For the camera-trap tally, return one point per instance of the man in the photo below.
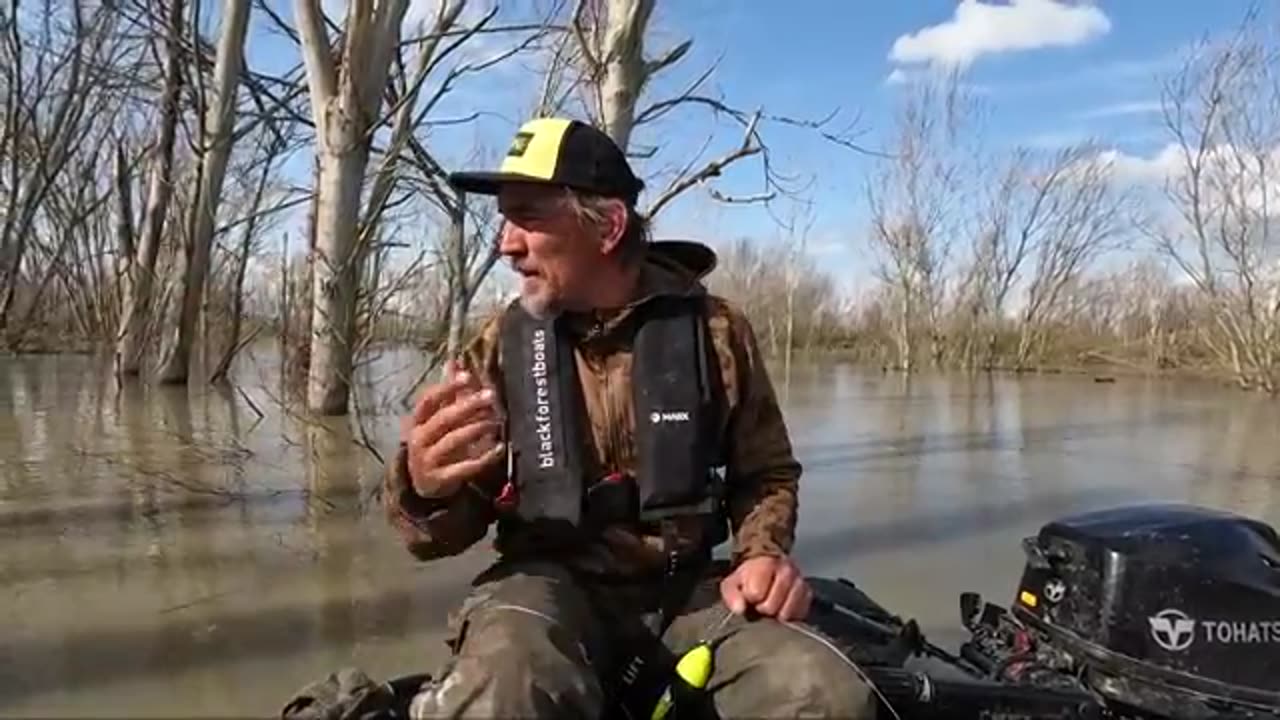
(615, 423)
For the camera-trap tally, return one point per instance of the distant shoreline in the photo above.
(1100, 369)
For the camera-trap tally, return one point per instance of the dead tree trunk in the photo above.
(124, 220)
(284, 298)
(242, 266)
(217, 140)
(298, 341)
(344, 107)
(623, 66)
(460, 301)
(612, 49)
(139, 281)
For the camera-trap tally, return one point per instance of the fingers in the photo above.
(748, 584)
(798, 601)
(437, 396)
(428, 458)
(444, 481)
(774, 587)
(431, 400)
(731, 594)
(784, 578)
(451, 418)
(459, 439)
(757, 579)
(475, 407)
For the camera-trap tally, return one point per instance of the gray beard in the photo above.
(539, 309)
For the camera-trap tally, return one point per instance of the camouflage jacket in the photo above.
(761, 475)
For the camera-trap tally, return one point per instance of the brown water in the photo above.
(168, 552)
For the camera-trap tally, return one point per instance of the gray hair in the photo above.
(590, 210)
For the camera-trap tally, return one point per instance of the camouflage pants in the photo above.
(534, 641)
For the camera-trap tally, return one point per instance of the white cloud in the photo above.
(1168, 162)
(1142, 69)
(899, 77)
(905, 77)
(979, 28)
(1222, 168)
(1140, 107)
(1055, 139)
(828, 247)
(416, 14)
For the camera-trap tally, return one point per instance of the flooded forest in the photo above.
(229, 260)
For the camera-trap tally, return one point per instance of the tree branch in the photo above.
(318, 56)
(580, 31)
(667, 59)
(658, 109)
(447, 16)
(520, 27)
(710, 170)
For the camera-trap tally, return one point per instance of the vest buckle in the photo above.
(507, 498)
(614, 498)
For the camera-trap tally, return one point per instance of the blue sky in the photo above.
(1045, 85)
(1049, 72)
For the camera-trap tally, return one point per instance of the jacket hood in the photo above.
(686, 257)
(672, 268)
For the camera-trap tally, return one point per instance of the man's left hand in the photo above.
(772, 586)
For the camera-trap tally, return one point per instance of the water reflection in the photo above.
(168, 551)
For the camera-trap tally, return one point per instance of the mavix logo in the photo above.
(1172, 630)
(674, 416)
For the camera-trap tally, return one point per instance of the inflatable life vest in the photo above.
(676, 395)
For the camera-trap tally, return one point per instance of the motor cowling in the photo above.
(1170, 605)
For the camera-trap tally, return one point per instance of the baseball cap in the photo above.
(559, 151)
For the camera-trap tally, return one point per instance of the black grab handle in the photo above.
(927, 696)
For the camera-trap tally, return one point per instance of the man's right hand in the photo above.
(453, 436)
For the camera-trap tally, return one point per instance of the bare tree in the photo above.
(345, 99)
(466, 247)
(1083, 216)
(139, 259)
(914, 216)
(455, 255)
(407, 180)
(273, 145)
(216, 140)
(1046, 218)
(616, 80)
(1222, 109)
(53, 81)
(799, 227)
(779, 287)
(1007, 224)
(67, 252)
(611, 36)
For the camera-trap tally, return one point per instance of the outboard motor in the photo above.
(1167, 609)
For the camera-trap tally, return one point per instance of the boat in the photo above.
(1137, 612)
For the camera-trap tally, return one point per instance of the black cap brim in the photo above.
(490, 183)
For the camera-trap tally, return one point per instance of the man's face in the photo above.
(546, 243)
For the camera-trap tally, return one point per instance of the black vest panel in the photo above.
(544, 410)
(675, 395)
